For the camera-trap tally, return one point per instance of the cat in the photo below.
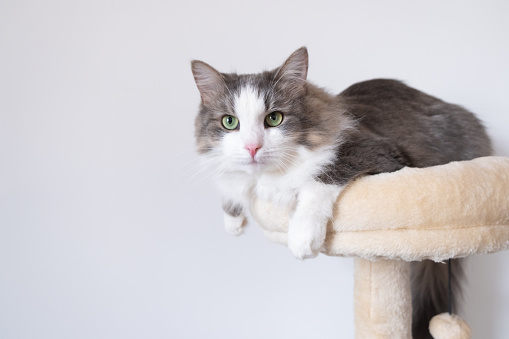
(277, 137)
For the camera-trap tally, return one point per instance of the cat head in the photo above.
(254, 122)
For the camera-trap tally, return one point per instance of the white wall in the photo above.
(107, 227)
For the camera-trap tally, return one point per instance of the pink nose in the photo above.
(253, 148)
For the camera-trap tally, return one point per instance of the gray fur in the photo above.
(430, 293)
(375, 126)
(232, 209)
(399, 126)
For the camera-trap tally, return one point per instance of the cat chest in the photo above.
(278, 190)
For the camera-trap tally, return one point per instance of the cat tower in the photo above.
(387, 220)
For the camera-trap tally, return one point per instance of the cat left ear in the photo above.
(294, 71)
(209, 81)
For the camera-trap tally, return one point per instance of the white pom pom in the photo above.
(447, 326)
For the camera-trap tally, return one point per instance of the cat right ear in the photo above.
(209, 81)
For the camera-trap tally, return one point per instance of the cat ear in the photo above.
(210, 82)
(294, 72)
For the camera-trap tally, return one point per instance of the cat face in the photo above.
(252, 123)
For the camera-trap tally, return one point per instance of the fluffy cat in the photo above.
(275, 136)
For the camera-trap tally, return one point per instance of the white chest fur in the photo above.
(279, 188)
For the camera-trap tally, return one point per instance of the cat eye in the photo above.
(230, 122)
(274, 119)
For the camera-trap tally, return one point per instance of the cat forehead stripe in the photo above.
(248, 103)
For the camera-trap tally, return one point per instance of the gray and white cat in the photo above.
(275, 136)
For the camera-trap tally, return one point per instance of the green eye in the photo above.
(274, 119)
(230, 122)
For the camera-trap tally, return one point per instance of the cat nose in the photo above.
(253, 148)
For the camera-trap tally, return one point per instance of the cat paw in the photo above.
(302, 245)
(308, 224)
(234, 225)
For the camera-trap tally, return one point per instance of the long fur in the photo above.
(323, 142)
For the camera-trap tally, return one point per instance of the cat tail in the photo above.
(430, 292)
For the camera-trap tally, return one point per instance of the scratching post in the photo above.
(377, 285)
(387, 220)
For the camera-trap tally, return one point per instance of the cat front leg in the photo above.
(308, 223)
(234, 219)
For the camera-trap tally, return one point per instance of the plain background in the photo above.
(108, 229)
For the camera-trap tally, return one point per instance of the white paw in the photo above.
(234, 225)
(308, 224)
(305, 241)
(301, 246)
